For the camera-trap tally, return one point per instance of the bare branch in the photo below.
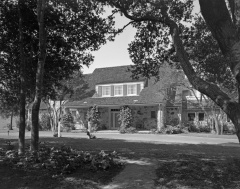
(121, 29)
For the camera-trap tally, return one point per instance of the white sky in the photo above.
(115, 53)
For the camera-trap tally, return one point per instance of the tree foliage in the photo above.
(93, 115)
(162, 30)
(74, 29)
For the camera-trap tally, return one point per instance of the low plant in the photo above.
(128, 130)
(204, 128)
(168, 129)
(229, 128)
(63, 160)
(192, 127)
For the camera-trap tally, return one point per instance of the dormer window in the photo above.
(132, 89)
(118, 90)
(106, 91)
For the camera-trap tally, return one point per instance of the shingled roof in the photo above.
(120, 74)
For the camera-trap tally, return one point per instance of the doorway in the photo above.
(114, 119)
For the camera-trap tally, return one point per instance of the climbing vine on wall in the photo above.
(125, 117)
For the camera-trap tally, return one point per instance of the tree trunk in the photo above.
(39, 76)
(11, 121)
(21, 139)
(225, 30)
(216, 123)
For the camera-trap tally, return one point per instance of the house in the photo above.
(152, 103)
(112, 88)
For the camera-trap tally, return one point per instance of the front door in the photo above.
(114, 119)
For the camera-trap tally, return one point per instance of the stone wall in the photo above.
(142, 117)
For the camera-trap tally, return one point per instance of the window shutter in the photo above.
(99, 91)
(138, 89)
(112, 90)
(124, 90)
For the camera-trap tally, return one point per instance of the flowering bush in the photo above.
(125, 118)
(93, 115)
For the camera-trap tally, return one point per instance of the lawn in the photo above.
(178, 165)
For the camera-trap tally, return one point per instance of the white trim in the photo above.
(124, 83)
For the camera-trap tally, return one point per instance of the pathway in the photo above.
(138, 174)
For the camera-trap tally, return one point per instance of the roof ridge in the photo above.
(113, 67)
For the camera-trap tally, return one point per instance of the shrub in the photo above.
(45, 122)
(204, 128)
(229, 128)
(174, 122)
(192, 127)
(173, 129)
(93, 117)
(67, 121)
(128, 130)
(125, 117)
(102, 127)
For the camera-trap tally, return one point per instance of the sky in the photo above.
(115, 53)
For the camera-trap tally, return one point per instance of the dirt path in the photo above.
(138, 174)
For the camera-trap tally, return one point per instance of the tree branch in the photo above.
(140, 19)
(219, 21)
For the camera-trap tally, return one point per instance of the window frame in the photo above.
(128, 85)
(189, 116)
(103, 90)
(115, 86)
(199, 116)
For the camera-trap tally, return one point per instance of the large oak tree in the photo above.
(67, 30)
(156, 20)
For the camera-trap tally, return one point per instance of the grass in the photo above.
(179, 165)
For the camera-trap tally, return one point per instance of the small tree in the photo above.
(93, 117)
(125, 118)
(67, 121)
(44, 122)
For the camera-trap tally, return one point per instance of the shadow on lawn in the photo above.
(178, 165)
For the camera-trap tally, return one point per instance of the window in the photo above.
(153, 114)
(132, 89)
(118, 90)
(191, 116)
(201, 117)
(106, 91)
